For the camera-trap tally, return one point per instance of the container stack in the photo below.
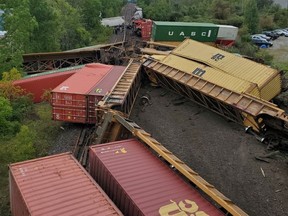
(76, 98)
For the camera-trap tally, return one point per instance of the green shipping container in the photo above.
(179, 31)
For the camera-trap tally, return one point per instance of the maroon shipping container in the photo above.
(76, 98)
(101, 89)
(139, 183)
(36, 85)
(56, 185)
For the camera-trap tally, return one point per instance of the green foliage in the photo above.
(11, 75)
(45, 36)
(7, 127)
(22, 107)
(19, 24)
(251, 16)
(22, 147)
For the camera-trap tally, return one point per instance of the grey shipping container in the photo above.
(179, 31)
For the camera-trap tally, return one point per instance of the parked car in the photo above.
(281, 32)
(285, 32)
(262, 43)
(271, 34)
(260, 37)
(264, 36)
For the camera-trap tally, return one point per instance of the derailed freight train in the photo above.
(176, 32)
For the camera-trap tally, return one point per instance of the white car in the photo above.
(281, 32)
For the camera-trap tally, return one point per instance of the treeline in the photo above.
(52, 25)
(257, 15)
(250, 16)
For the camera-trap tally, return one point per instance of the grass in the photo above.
(46, 131)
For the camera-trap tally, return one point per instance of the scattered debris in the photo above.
(262, 172)
(277, 191)
(62, 128)
(163, 93)
(271, 154)
(145, 101)
(261, 159)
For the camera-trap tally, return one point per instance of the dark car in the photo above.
(271, 34)
(262, 43)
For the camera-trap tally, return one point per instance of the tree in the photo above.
(6, 128)
(19, 24)
(251, 15)
(45, 37)
(7, 89)
(221, 9)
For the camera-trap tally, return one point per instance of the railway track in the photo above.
(85, 138)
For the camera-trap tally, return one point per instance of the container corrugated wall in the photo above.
(267, 79)
(139, 183)
(37, 84)
(101, 89)
(76, 98)
(56, 185)
(179, 31)
(212, 75)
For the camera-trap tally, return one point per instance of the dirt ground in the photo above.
(219, 150)
(279, 50)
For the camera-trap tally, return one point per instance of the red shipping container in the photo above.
(76, 98)
(56, 185)
(139, 183)
(37, 84)
(69, 99)
(146, 29)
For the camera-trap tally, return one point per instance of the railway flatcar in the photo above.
(76, 98)
(56, 185)
(37, 84)
(139, 183)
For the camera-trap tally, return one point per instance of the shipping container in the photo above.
(212, 75)
(140, 183)
(267, 78)
(227, 35)
(101, 89)
(56, 185)
(179, 31)
(76, 98)
(37, 84)
(146, 29)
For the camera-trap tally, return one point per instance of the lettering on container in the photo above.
(64, 88)
(183, 208)
(98, 90)
(115, 149)
(199, 72)
(23, 171)
(217, 57)
(192, 34)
